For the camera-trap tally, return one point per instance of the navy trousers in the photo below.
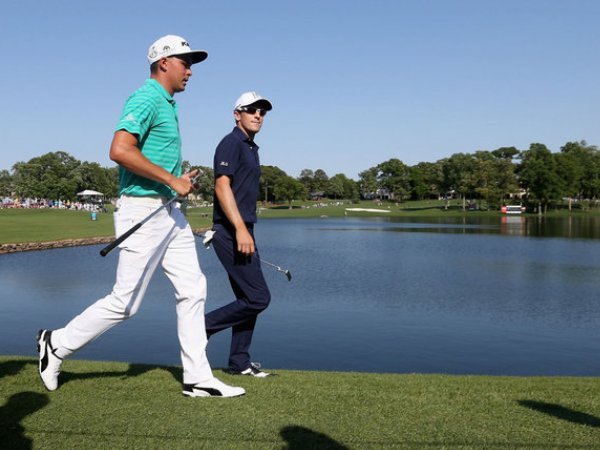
(251, 296)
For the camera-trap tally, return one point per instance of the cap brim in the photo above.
(263, 103)
(198, 56)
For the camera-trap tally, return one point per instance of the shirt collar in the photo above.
(242, 137)
(159, 87)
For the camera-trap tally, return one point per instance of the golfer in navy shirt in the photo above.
(237, 175)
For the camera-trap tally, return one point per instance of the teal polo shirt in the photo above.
(150, 114)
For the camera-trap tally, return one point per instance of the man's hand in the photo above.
(245, 243)
(183, 185)
(125, 152)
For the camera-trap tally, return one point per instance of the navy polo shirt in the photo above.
(236, 156)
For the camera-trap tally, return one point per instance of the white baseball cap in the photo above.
(252, 98)
(172, 45)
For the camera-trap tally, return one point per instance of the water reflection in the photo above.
(513, 225)
(580, 227)
(368, 295)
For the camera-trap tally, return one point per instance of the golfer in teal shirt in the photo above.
(150, 114)
(147, 148)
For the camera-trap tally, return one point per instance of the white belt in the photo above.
(145, 200)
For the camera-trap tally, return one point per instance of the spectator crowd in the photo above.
(40, 203)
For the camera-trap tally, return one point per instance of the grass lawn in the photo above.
(120, 405)
(42, 225)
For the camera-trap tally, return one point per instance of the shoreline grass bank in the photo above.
(18, 226)
(121, 405)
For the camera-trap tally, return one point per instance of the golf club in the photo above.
(208, 237)
(286, 272)
(106, 250)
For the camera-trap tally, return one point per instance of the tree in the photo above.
(494, 177)
(314, 183)
(306, 178)
(340, 186)
(320, 181)
(205, 183)
(47, 176)
(335, 187)
(367, 183)
(394, 176)
(6, 183)
(268, 179)
(505, 152)
(591, 180)
(426, 180)
(418, 186)
(538, 175)
(578, 165)
(459, 176)
(59, 176)
(289, 189)
(112, 173)
(351, 189)
(92, 176)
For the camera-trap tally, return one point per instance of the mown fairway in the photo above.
(119, 405)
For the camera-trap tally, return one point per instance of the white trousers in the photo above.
(166, 239)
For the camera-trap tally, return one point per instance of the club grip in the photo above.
(106, 250)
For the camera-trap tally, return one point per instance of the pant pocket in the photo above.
(128, 215)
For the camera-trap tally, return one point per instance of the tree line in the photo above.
(57, 176)
(537, 176)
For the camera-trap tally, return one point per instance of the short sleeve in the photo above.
(226, 157)
(137, 117)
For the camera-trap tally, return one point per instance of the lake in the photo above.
(496, 296)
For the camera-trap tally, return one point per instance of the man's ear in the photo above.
(162, 64)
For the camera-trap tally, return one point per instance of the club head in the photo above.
(288, 275)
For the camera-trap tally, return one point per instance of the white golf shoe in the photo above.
(49, 363)
(253, 371)
(212, 388)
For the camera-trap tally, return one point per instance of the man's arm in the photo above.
(124, 151)
(245, 243)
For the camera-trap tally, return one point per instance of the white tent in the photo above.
(90, 196)
(90, 193)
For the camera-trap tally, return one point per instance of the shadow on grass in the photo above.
(23, 404)
(421, 208)
(19, 406)
(9, 368)
(134, 370)
(284, 207)
(300, 438)
(561, 412)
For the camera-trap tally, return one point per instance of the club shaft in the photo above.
(278, 268)
(208, 240)
(106, 250)
(271, 264)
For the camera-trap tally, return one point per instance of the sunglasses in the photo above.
(252, 110)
